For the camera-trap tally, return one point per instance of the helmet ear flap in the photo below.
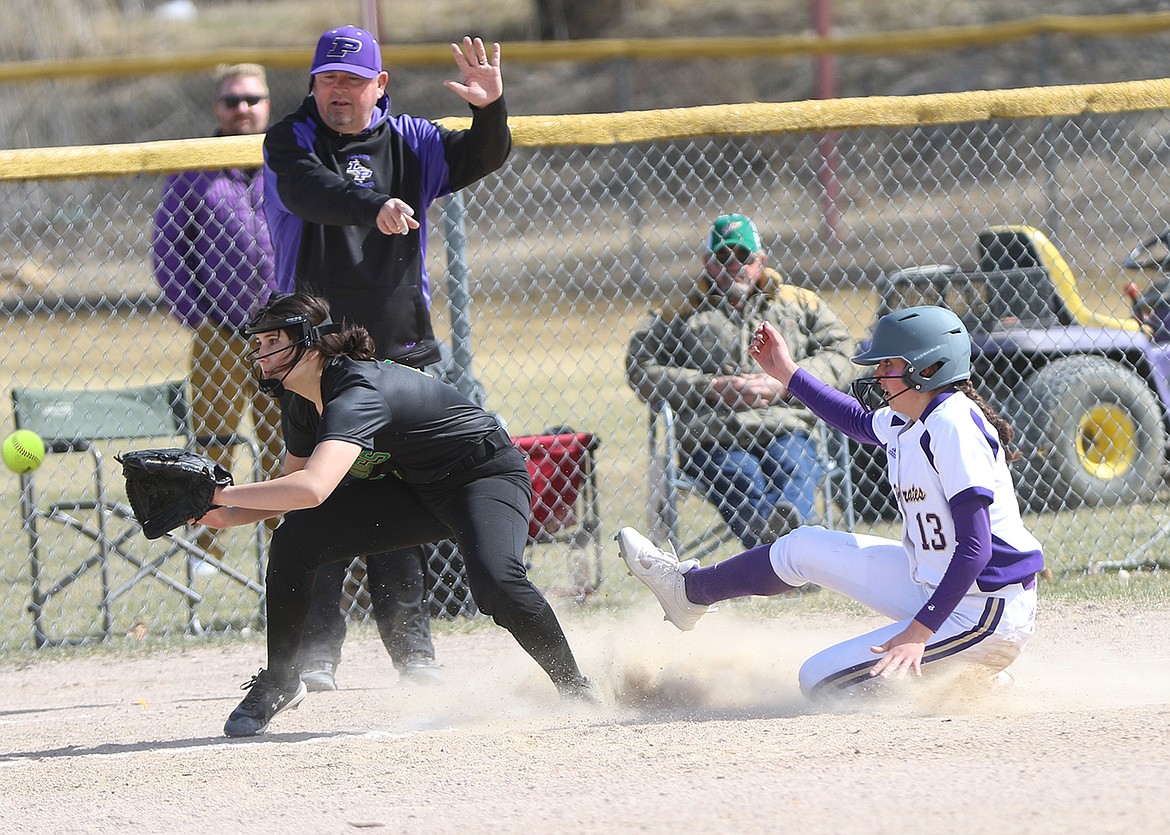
(925, 379)
(318, 331)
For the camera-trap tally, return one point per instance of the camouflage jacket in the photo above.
(675, 354)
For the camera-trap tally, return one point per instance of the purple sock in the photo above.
(742, 575)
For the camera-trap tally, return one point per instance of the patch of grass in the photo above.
(1131, 588)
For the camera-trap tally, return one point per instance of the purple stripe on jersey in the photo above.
(419, 136)
(285, 229)
(935, 403)
(860, 673)
(305, 132)
(989, 433)
(835, 408)
(434, 178)
(924, 442)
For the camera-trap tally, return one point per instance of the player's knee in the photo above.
(292, 560)
(812, 677)
(786, 551)
(506, 600)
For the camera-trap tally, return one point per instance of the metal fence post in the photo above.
(458, 293)
(629, 190)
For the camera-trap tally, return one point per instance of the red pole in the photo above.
(826, 88)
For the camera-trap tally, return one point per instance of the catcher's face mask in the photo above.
(887, 383)
(302, 336)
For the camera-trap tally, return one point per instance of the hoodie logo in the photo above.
(359, 172)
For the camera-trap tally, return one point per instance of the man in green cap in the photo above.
(742, 437)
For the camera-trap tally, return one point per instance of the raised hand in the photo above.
(771, 351)
(482, 83)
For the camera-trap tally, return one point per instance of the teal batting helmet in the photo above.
(925, 337)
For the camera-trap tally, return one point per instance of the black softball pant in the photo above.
(485, 510)
(398, 601)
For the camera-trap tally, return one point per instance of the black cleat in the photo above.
(579, 691)
(320, 676)
(421, 669)
(265, 699)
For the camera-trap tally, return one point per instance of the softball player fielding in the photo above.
(380, 456)
(961, 585)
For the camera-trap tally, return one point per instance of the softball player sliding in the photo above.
(960, 586)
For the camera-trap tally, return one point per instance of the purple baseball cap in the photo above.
(348, 49)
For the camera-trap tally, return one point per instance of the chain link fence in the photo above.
(1020, 225)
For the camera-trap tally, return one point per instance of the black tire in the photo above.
(1092, 434)
(873, 498)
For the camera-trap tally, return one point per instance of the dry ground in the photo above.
(701, 732)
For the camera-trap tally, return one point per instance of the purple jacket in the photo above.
(323, 192)
(213, 256)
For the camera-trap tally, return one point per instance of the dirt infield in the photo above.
(702, 732)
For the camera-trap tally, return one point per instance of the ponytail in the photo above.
(1004, 429)
(351, 341)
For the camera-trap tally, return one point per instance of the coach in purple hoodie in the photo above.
(347, 187)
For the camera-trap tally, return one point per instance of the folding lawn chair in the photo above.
(680, 514)
(117, 559)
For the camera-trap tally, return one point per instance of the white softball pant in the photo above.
(984, 629)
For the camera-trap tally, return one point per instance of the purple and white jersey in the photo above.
(951, 454)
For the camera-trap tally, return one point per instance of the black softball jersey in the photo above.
(408, 423)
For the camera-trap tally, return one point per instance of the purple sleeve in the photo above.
(425, 139)
(972, 518)
(173, 247)
(286, 230)
(839, 410)
(307, 187)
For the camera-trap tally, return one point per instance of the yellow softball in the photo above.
(23, 451)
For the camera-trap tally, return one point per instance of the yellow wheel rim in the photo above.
(1106, 441)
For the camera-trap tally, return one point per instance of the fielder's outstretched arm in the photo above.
(307, 482)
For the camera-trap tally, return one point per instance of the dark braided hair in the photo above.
(1006, 434)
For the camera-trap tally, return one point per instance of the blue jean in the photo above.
(746, 485)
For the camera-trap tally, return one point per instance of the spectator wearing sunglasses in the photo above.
(742, 437)
(213, 260)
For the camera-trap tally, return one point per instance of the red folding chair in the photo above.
(565, 504)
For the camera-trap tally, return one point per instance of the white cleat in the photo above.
(663, 574)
